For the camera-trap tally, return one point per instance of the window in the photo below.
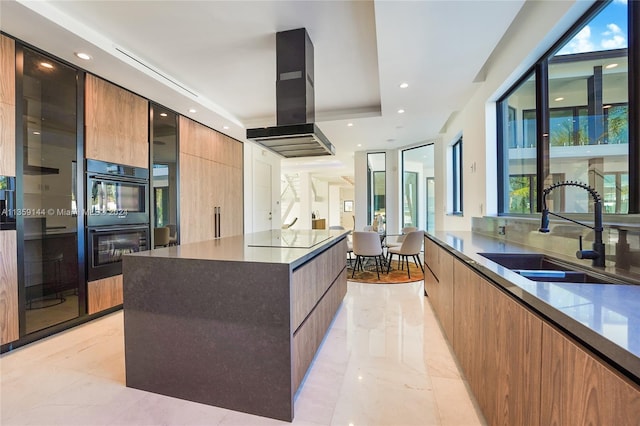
(579, 92)
(456, 168)
(377, 187)
(417, 169)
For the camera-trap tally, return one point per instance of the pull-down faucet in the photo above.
(597, 254)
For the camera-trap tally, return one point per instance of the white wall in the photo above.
(533, 32)
(253, 153)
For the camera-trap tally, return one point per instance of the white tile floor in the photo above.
(384, 362)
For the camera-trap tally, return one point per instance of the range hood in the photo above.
(296, 134)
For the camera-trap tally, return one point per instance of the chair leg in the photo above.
(408, 268)
(377, 271)
(418, 262)
(389, 263)
(355, 267)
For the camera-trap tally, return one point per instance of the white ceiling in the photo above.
(219, 58)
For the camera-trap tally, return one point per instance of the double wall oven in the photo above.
(117, 216)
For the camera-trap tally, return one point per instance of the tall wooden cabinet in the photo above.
(7, 106)
(9, 330)
(210, 178)
(116, 124)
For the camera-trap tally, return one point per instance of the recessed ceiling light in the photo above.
(611, 66)
(391, 140)
(163, 114)
(46, 65)
(359, 145)
(400, 111)
(36, 133)
(225, 127)
(192, 110)
(404, 85)
(349, 124)
(559, 99)
(83, 55)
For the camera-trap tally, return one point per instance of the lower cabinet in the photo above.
(522, 370)
(9, 317)
(577, 389)
(498, 345)
(104, 294)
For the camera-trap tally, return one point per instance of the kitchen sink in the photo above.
(540, 267)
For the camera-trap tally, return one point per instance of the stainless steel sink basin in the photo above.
(540, 267)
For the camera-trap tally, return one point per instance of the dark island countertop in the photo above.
(285, 246)
(603, 317)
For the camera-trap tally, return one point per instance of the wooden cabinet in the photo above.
(7, 107)
(211, 176)
(104, 294)
(9, 330)
(116, 124)
(521, 370)
(439, 285)
(577, 389)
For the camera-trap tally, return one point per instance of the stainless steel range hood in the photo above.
(296, 135)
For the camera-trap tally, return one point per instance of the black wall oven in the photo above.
(107, 245)
(117, 216)
(116, 194)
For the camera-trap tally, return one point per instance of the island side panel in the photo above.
(214, 332)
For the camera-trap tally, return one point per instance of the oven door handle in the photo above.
(124, 179)
(97, 230)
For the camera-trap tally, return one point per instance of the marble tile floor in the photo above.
(384, 362)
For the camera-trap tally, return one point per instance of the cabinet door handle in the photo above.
(219, 220)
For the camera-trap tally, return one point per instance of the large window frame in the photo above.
(542, 113)
(456, 177)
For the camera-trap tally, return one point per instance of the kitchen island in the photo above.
(233, 322)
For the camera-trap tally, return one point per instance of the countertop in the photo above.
(285, 246)
(604, 317)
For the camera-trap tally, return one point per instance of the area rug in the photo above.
(395, 275)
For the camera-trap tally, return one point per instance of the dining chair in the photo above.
(411, 246)
(401, 237)
(366, 244)
(161, 237)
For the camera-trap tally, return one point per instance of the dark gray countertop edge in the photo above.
(323, 246)
(619, 358)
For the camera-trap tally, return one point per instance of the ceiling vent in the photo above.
(296, 134)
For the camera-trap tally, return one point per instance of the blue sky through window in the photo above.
(606, 31)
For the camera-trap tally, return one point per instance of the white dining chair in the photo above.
(366, 244)
(411, 246)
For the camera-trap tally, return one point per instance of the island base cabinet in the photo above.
(577, 389)
(308, 337)
(104, 294)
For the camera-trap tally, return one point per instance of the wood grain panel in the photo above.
(578, 389)
(117, 124)
(206, 184)
(7, 107)
(307, 339)
(310, 281)
(498, 344)
(432, 256)
(103, 294)
(445, 293)
(196, 199)
(9, 329)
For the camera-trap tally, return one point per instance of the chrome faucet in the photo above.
(597, 254)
